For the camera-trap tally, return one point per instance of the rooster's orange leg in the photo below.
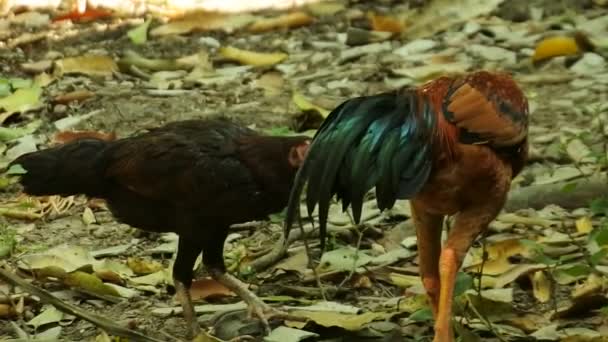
(467, 226)
(428, 230)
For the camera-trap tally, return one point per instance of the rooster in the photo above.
(194, 177)
(451, 146)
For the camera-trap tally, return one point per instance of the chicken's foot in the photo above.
(183, 293)
(255, 304)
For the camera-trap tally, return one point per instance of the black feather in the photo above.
(382, 140)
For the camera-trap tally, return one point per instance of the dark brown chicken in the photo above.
(195, 178)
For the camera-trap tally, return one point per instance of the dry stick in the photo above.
(73, 310)
(309, 255)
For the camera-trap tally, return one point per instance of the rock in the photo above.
(353, 53)
(209, 42)
(415, 47)
(493, 53)
(590, 64)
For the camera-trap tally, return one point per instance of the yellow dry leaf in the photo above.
(584, 225)
(90, 283)
(555, 46)
(294, 19)
(305, 105)
(504, 249)
(325, 8)
(492, 267)
(144, 266)
(92, 65)
(203, 21)
(252, 58)
(593, 285)
(541, 286)
(405, 281)
(384, 23)
(43, 79)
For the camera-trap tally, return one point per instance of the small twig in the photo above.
(73, 310)
(310, 261)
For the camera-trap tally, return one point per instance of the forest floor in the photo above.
(545, 271)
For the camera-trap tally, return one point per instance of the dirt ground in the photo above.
(567, 100)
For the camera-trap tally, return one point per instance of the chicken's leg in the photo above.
(467, 226)
(428, 230)
(187, 252)
(213, 260)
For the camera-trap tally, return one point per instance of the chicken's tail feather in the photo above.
(68, 169)
(383, 140)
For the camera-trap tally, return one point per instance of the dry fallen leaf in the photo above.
(384, 23)
(92, 65)
(73, 96)
(289, 20)
(88, 217)
(541, 286)
(325, 8)
(305, 105)
(208, 288)
(584, 225)
(7, 311)
(252, 58)
(555, 46)
(203, 21)
(271, 82)
(144, 266)
(345, 321)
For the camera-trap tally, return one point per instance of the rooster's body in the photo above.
(194, 177)
(451, 146)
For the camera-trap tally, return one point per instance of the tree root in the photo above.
(539, 196)
(73, 310)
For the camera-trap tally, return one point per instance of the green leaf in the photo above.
(139, 35)
(463, 283)
(16, 169)
(22, 100)
(569, 187)
(422, 315)
(600, 236)
(5, 87)
(12, 133)
(598, 256)
(19, 83)
(530, 244)
(599, 206)
(576, 270)
(542, 258)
